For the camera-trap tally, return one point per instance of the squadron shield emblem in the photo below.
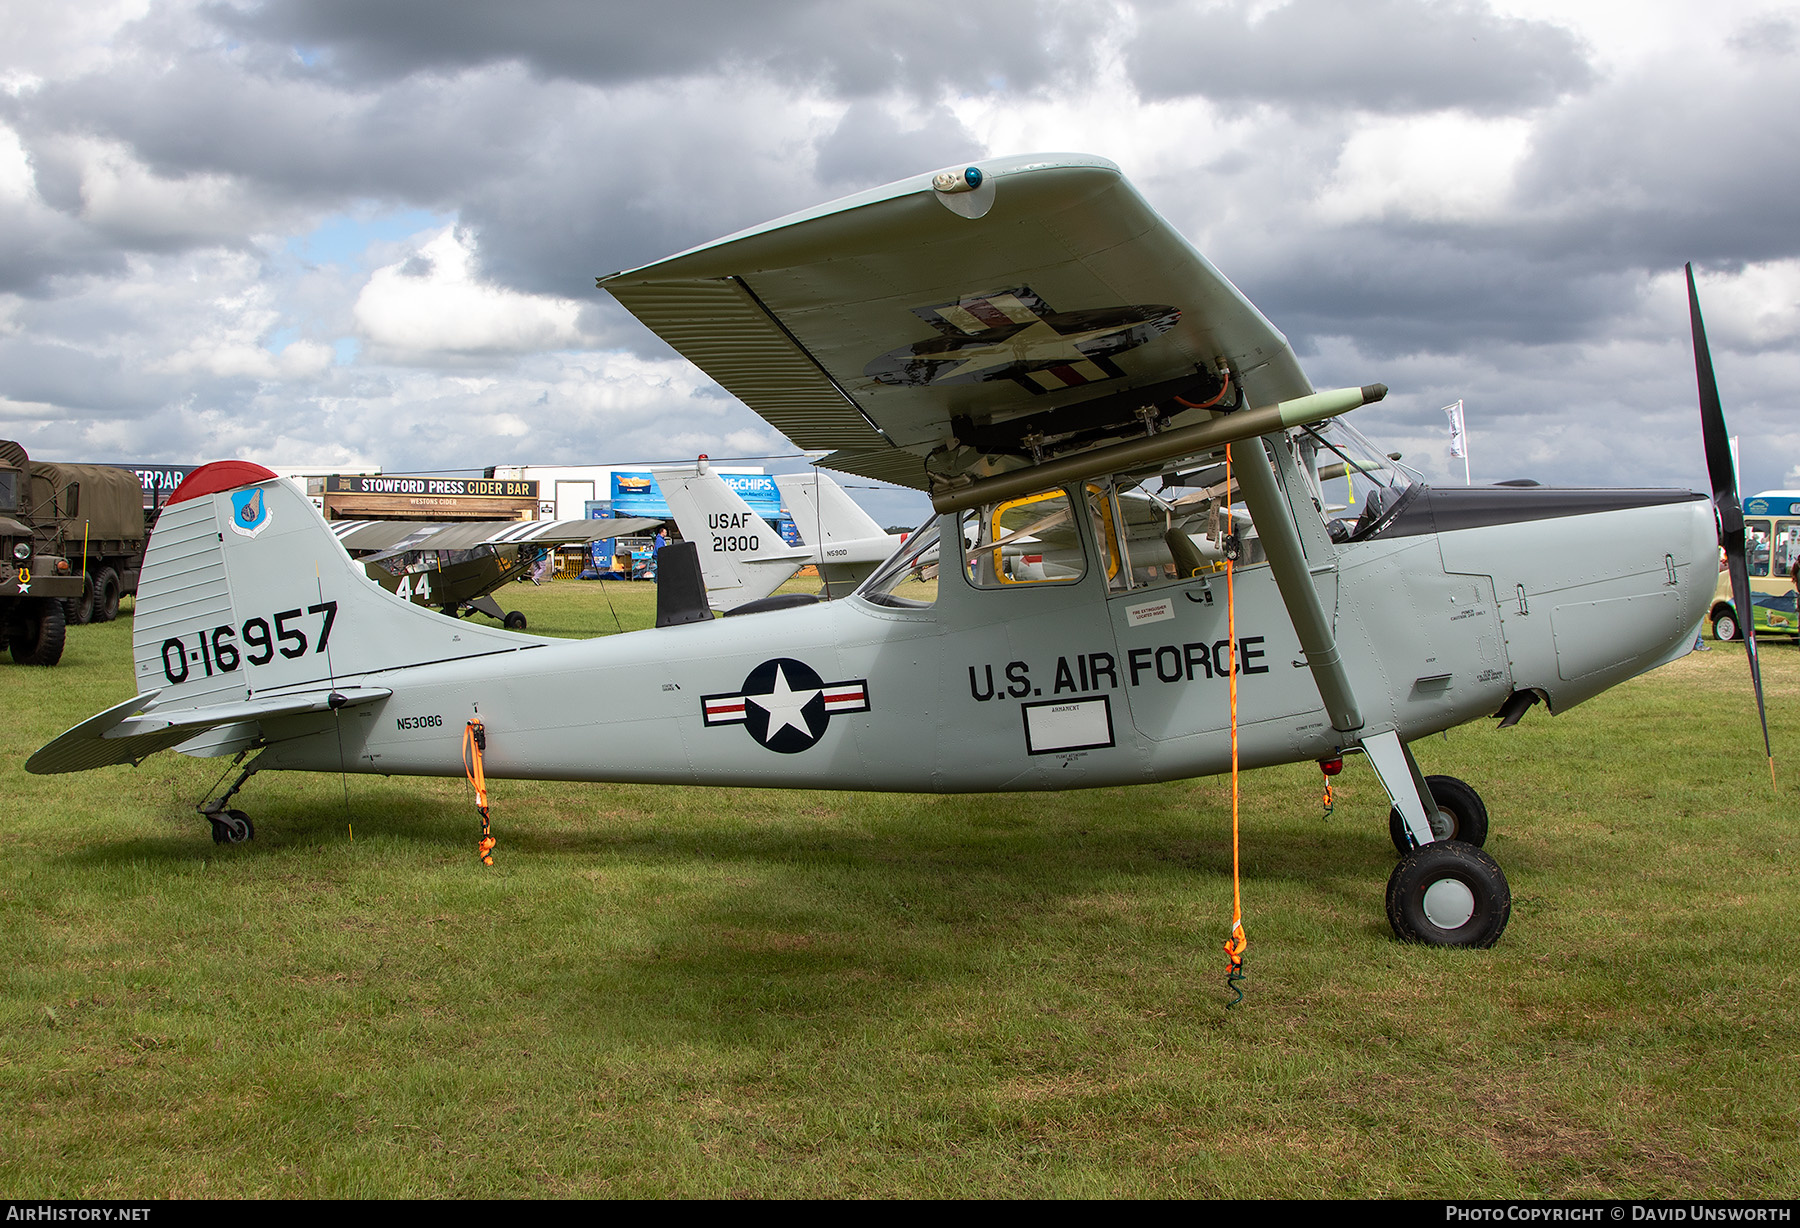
(785, 705)
(249, 511)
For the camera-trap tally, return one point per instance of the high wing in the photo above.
(1046, 306)
(399, 535)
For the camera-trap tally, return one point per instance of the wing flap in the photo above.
(720, 327)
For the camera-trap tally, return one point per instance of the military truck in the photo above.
(73, 540)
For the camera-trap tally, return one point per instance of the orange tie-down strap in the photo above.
(474, 742)
(1235, 942)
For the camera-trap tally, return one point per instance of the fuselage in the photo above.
(1065, 685)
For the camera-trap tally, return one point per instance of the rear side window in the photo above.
(1021, 542)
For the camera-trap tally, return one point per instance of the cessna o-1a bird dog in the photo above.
(1030, 342)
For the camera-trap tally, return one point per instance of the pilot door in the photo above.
(1031, 673)
(1168, 613)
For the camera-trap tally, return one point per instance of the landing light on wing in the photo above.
(965, 180)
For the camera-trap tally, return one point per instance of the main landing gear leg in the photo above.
(1444, 893)
(1448, 893)
(230, 826)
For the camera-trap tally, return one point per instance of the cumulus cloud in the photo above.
(852, 50)
(1381, 55)
(433, 302)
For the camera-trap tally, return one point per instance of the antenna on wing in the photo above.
(1728, 511)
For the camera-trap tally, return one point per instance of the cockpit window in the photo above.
(1029, 540)
(1183, 532)
(908, 580)
(1360, 488)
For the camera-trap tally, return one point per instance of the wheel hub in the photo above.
(1449, 904)
(1443, 824)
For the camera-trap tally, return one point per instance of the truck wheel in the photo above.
(79, 611)
(1725, 628)
(106, 595)
(39, 641)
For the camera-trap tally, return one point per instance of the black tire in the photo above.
(1725, 626)
(1448, 894)
(231, 827)
(106, 595)
(38, 638)
(515, 621)
(1460, 815)
(79, 611)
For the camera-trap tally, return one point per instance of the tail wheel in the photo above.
(106, 595)
(1725, 626)
(1459, 815)
(1448, 894)
(231, 827)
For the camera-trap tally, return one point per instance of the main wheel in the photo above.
(1725, 626)
(515, 621)
(37, 639)
(106, 595)
(1448, 894)
(1460, 815)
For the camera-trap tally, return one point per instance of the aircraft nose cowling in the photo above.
(1622, 625)
(1588, 600)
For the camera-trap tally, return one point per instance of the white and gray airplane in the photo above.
(847, 545)
(1027, 341)
(742, 559)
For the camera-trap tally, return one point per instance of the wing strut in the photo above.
(1287, 560)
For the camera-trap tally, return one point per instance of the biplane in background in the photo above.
(455, 567)
(1029, 342)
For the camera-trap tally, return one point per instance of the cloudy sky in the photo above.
(356, 232)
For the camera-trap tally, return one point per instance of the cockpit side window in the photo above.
(1178, 534)
(1026, 541)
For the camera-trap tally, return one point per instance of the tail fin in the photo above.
(822, 511)
(741, 557)
(847, 542)
(245, 591)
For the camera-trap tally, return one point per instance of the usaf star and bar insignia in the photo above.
(1014, 335)
(785, 705)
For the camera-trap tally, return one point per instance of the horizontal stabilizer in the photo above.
(132, 731)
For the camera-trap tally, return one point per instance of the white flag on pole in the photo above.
(1459, 441)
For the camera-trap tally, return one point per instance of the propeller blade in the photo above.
(1728, 510)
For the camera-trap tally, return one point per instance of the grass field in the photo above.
(667, 991)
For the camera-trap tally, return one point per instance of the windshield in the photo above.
(909, 579)
(1361, 488)
(9, 490)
